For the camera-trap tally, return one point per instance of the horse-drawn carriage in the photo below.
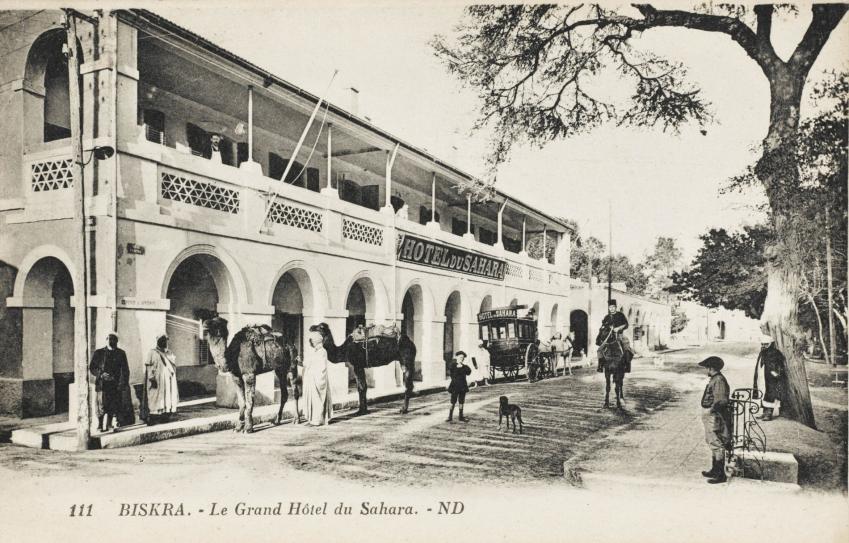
(513, 344)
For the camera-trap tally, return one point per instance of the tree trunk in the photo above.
(777, 170)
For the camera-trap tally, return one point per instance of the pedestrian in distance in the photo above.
(112, 380)
(773, 363)
(160, 395)
(480, 361)
(458, 386)
(715, 416)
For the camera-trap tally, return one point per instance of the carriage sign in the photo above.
(437, 255)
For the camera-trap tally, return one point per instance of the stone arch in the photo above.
(298, 296)
(46, 288)
(417, 315)
(428, 303)
(310, 280)
(40, 252)
(579, 328)
(553, 323)
(454, 335)
(223, 268)
(47, 99)
(486, 303)
(375, 293)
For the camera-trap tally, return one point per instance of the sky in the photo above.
(656, 183)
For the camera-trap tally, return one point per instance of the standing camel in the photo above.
(253, 350)
(363, 350)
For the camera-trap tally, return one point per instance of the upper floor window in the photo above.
(154, 122)
(458, 227)
(425, 216)
(57, 102)
(198, 141)
(487, 236)
(512, 245)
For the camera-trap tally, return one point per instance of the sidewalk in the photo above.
(667, 448)
(193, 417)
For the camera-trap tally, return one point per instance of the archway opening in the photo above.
(452, 333)
(48, 337)
(292, 296)
(199, 283)
(360, 304)
(412, 309)
(552, 323)
(47, 71)
(578, 328)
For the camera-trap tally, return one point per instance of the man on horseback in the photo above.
(615, 322)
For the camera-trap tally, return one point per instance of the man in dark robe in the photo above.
(773, 363)
(112, 377)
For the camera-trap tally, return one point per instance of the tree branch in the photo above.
(759, 50)
(826, 18)
(764, 13)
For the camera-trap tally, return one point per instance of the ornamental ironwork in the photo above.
(362, 232)
(199, 193)
(52, 175)
(746, 433)
(296, 217)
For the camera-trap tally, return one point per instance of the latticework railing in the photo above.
(56, 174)
(296, 217)
(199, 193)
(362, 232)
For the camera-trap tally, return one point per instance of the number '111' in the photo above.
(81, 510)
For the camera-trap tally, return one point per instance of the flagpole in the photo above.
(609, 250)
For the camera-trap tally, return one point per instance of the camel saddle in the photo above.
(374, 332)
(258, 334)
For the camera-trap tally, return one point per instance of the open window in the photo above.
(154, 125)
(198, 140)
(57, 101)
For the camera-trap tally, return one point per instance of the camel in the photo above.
(381, 351)
(253, 350)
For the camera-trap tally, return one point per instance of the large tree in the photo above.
(728, 271)
(535, 67)
(661, 263)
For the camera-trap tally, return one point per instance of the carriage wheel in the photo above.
(491, 373)
(532, 362)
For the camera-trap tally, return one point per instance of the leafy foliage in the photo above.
(665, 259)
(537, 67)
(728, 271)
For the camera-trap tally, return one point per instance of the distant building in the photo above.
(649, 321)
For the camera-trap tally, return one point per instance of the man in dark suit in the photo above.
(112, 378)
(773, 363)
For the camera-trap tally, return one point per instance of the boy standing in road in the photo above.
(715, 404)
(458, 387)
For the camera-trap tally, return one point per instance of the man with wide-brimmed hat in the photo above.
(715, 404)
(773, 363)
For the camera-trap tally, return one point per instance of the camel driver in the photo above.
(616, 321)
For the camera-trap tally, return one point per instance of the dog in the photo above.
(510, 412)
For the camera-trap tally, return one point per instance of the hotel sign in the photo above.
(506, 313)
(436, 255)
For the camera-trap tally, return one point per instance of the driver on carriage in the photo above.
(617, 322)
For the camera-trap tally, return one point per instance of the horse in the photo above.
(611, 356)
(253, 350)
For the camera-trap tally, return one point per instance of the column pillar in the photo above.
(433, 366)
(433, 223)
(249, 164)
(468, 236)
(329, 189)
